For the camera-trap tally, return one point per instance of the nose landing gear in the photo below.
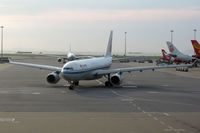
(72, 84)
(108, 83)
(71, 87)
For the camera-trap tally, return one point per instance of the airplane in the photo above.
(174, 52)
(90, 69)
(169, 58)
(70, 56)
(196, 47)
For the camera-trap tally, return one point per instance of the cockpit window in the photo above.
(68, 68)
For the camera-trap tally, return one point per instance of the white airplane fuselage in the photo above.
(177, 54)
(181, 56)
(184, 57)
(71, 56)
(84, 69)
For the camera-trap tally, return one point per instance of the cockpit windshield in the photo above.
(68, 68)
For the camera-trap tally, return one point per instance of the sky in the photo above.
(52, 25)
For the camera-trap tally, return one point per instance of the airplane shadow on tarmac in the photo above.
(109, 92)
(100, 91)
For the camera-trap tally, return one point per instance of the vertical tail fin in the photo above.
(70, 48)
(172, 48)
(196, 46)
(109, 47)
(164, 54)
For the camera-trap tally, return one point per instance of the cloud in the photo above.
(79, 16)
(118, 15)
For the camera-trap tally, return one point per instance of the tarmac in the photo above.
(147, 102)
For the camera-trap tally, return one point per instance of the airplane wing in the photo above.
(130, 69)
(45, 67)
(133, 59)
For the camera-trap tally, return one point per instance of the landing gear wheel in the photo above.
(71, 87)
(108, 84)
(76, 83)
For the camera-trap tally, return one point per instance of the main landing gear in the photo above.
(72, 84)
(108, 83)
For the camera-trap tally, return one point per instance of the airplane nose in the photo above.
(64, 75)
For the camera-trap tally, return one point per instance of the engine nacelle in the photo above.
(116, 79)
(53, 78)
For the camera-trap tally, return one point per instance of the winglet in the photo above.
(109, 47)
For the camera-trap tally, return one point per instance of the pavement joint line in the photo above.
(155, 118)
(133, 86)
(127, 100)
(149, 114)
(7, 119)
(138, 108)
(116, 93)
(186, 104)
(92, 118)
(164, 85)
(35, 93)
(143, 112)
(134, 104)
(175, 130)
(153, 92)
(161, 122)
(63, 92)
(166, 114)
(170, 128)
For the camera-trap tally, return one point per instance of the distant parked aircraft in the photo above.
(69, 57)
(174, 52)
(169, 58)
(196, 47)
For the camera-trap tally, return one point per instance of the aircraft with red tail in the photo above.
(196, 47)
(169, 58)
(174, 52)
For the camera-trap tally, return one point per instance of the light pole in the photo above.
(172, 36)
(195, 30)
(2, 42)
(125, 44)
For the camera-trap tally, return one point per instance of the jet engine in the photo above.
(116, 79)
(53, 78)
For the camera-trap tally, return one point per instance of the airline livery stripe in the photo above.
(84, 71)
